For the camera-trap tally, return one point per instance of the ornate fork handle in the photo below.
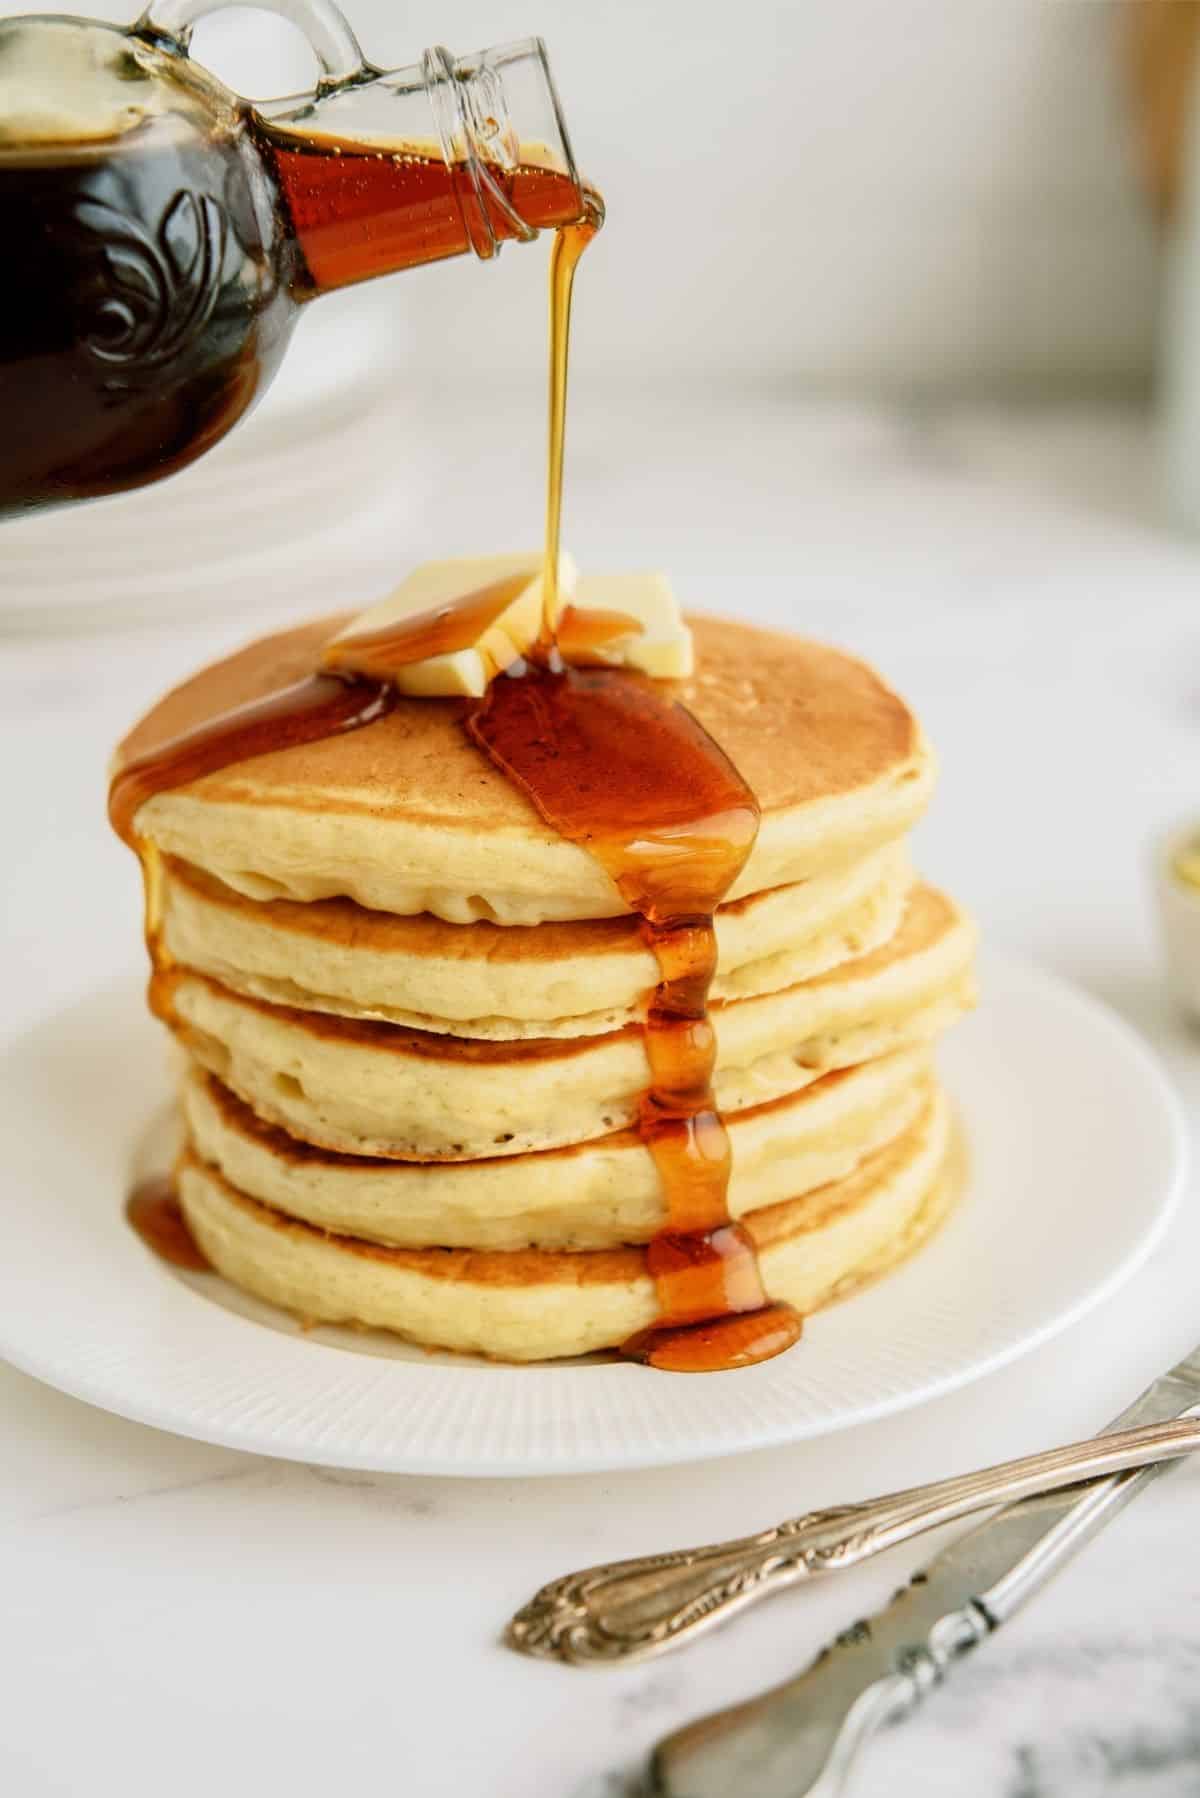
(629, 1610)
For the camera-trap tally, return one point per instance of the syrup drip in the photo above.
(321, 705)
(631, 776)
(154, 1211)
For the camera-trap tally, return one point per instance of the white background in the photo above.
(943, 201)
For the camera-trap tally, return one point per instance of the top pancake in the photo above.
(406, 815)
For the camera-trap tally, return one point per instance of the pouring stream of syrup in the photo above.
(570, 241)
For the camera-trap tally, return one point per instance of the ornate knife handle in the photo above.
(630, 1610)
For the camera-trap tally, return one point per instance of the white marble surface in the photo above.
(179, 1618)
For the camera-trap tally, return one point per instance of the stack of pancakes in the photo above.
(412, 1014)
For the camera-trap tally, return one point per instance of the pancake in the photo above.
(536, 1305)
(407, 816)
(510, 981)
(371, 1088)
(592, 1196)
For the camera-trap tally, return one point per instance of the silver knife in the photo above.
(799, 1740)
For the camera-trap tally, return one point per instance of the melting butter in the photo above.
(451, 626)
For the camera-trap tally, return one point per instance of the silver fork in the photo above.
(630, 1610)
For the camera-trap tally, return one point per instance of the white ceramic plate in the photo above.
(1077, 1156)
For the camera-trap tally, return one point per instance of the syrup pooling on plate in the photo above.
(630, 775)
(154, 1211)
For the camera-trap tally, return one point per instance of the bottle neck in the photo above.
(389, 171)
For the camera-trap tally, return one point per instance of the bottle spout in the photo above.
(469, 152)
(381, 169)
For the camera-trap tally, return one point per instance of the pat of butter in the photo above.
(452, 626)
(663, 645)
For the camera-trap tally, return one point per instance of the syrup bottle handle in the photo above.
(171, 22)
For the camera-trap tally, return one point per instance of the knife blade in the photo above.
(800, 1739)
